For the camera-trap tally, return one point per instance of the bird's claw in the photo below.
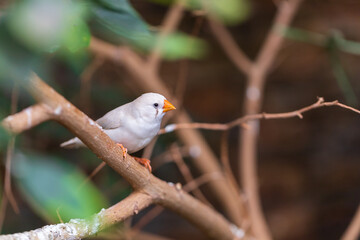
(145, 162)
(123, 149)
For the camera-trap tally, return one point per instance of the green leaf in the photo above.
(29, 29)
(51, 184)
(339, 71)
(333, 43)
(77, 37)
(163, 2)
(118, 22)
(47, 25)
(177, 46)
(320, 40)
(119, 6)
(4, 139)
(227, 11)
(16, 61)
(302, 35)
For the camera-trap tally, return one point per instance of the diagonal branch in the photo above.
(256, 72)
(171, 21)
(190, 186)
(252, 105)
(353, 230)
(27, 118)
(7, 192)
(236, 55)
(81, 228)
(185, 171)
(147, 80)
(242, 120)
(160, 192)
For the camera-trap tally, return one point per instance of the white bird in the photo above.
(133, 125)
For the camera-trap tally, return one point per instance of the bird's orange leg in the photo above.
(123, 149)
(145, 162)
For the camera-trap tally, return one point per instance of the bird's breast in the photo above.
(134, 135)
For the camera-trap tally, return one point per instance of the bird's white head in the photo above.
(153, 106)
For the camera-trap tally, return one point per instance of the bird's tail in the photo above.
(72, 143)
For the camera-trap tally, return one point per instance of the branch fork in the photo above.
(147, 188)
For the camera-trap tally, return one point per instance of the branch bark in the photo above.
(171, 21)
(236, 55)
(353, 230)
(81, 228)
(243, 120)
(160, 192)
(206, 161)
(252, 105)
(26, 119)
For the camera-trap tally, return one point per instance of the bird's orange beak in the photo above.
(168, 106)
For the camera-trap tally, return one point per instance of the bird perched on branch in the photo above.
(133, 125)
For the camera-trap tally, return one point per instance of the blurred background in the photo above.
(308, 168)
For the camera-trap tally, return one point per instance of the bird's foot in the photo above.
(123, 149)
(145, 162)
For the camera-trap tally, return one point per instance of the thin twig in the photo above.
(179, 90)
(9, 156)
(148, 150)
(171, 21)
(185, 171)
(14, 99)
(232, 180)
(232, 50)
(146, 80)
(184, 67)
(353, 230)
(3, 205)
(203, 179)
(7, 193)
(194, 125)
(129, 235)
(7, 182)
(92, 174)
(86, 82)
(242, 120)
(190, 186)
(165, 157)
(225, 160)
(148, 187)
(252, 104)
(206, 162)
(147, 218)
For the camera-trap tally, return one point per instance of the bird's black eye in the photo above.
(156, 104)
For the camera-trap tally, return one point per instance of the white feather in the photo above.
(133, 124)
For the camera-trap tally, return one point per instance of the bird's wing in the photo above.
(113, 118)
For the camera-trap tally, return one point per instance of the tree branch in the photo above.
(27, 118)
(190, 186)
(160, 192)
(7, 192)
(252, 105)
(85, 78)
(147, 80)
(171, 21)
(242, 120)
(185, 172)
(81, 228)
(353, 230)
(236, 55)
